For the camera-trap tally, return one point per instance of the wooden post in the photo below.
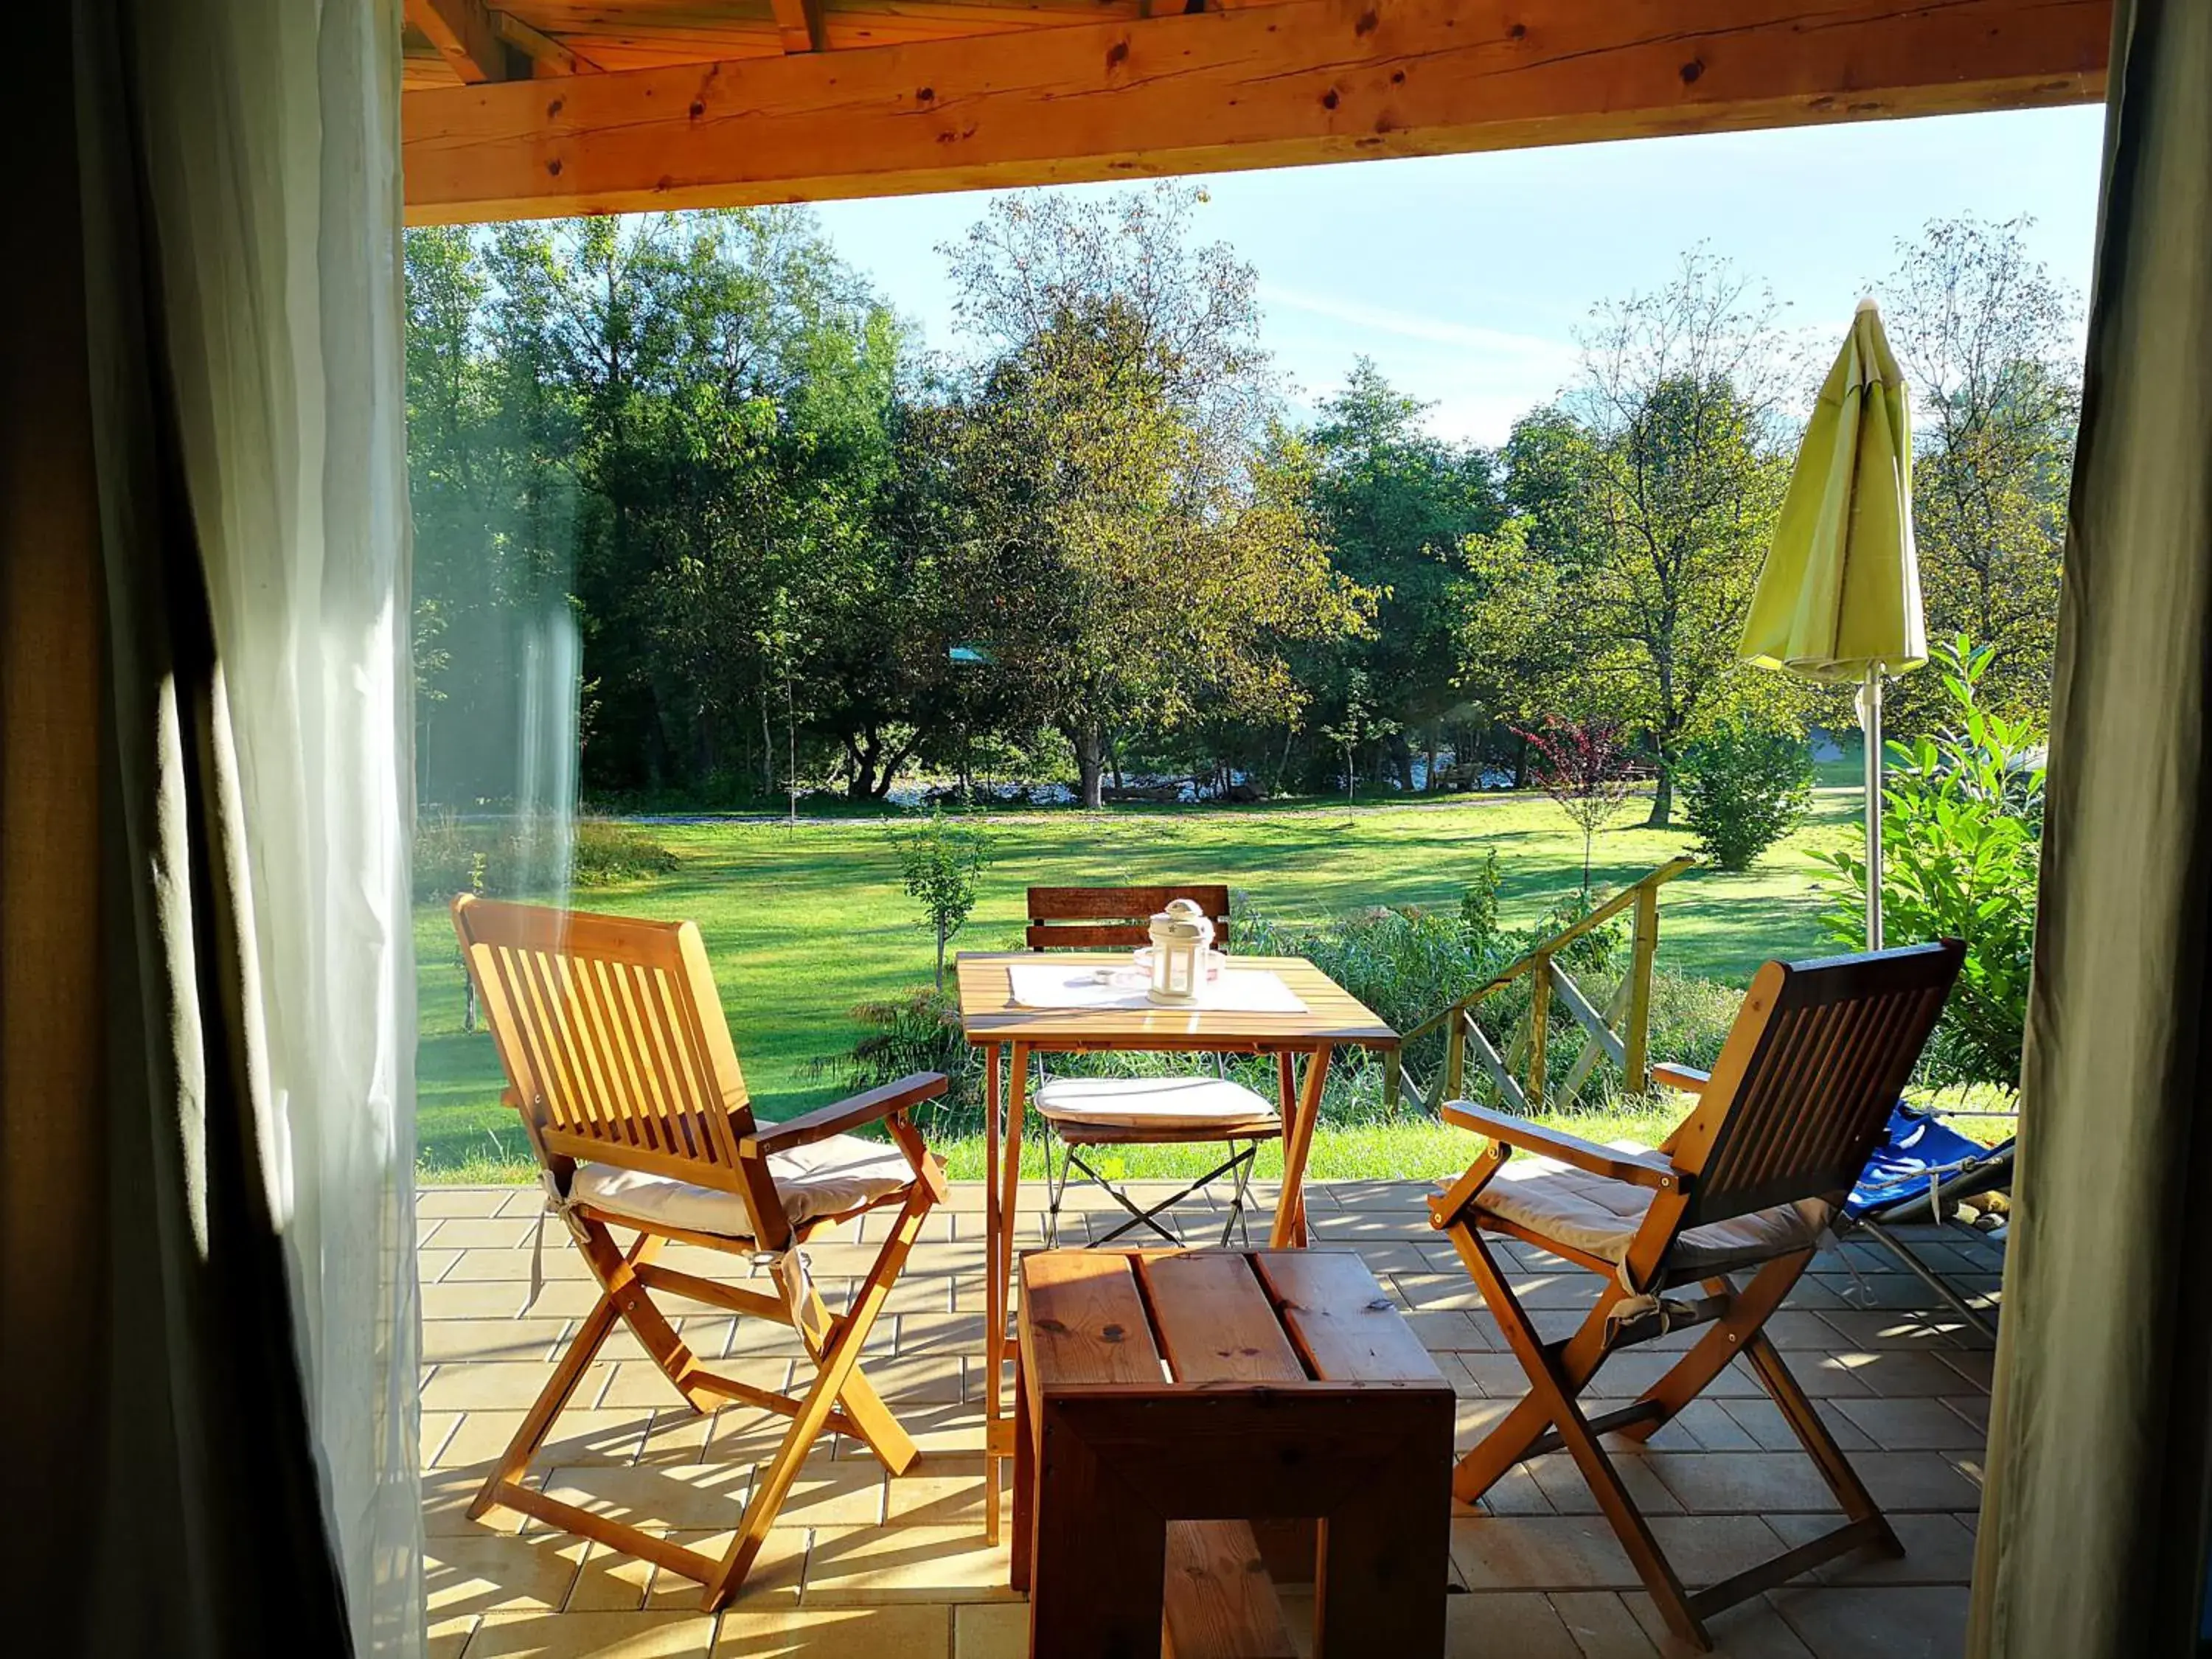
(1636, 1065)
(1540, 1016)
(1456, 1054)
(1390, 1084)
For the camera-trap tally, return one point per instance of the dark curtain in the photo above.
(162, 1489)
(2093, 1528)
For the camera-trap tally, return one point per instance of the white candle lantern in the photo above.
(1180, 934)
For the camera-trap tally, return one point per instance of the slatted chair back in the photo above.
(1808, 1078)
(1115, 918)
(612, 1037)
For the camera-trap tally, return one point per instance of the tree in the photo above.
(1985, 337)
(1396, 504)
(1649, 495)
(1582, 765)
(941, 862)
(1131, 554)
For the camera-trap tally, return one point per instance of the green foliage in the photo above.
(1478, 906)
(1961, 844)
(525, 856)
(941, 863)
(1745, 784)
(917, 1030)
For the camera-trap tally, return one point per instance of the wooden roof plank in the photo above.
(1301, 81)
(466, 36)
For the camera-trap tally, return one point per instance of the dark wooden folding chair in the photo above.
(621, 1065)
(1087, 1112)
(1750, 1181)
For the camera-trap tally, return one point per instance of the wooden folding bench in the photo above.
(1750, 1181)
(621, 1065)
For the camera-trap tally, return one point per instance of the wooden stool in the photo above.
(1157, 1389)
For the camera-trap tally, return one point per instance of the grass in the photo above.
(801, 924)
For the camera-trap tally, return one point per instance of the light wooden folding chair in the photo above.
(1749, 1181)
(621, 1064)
(1085, 1112)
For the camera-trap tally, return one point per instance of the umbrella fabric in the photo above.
(1840, 593)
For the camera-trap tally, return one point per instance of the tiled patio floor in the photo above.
(861, 1565)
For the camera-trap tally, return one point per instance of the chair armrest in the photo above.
(1639, 1169)
(1688, 1079)
(871, 1107)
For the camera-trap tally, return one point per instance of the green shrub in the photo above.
(1690, 1018)
(1961, 843)
(918, 1031)
(605, 851)
(1744, 784)
(447, 859)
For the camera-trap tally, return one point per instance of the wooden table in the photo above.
(1169, 1399)
(994, 1022)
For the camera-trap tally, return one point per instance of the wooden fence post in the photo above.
(1456, 1054)
(1636, 1066)
(1540, 1018)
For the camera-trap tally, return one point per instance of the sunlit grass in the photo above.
(801, 924)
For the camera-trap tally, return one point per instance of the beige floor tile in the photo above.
(501, 1385)
(467, 1233)
(1939, 1549)
(436, 1427)
(1750, 1630)
(432, 1266)
(936, 1334)
(447, 1496)
(991, 1630)
(1519, 1623)
(772, 1580)
(1762, 1420)
(1914, 1425)
(1919, 1479)
(534, 1340)
(609, 1582)
(852, 1566)
(444, 1201)
(1602, 1625)
(746, 1433)
(936, 1430)
(481, 1298)
(1743, 1483)
(870, 1633)
(680, 1435)
(1539, 1552)
(1516, 1492)
(1905, 1623)
(487, 1573)
(579, 1436)
(1707, 1548)
(594, 1635)
(495, 1263)
(1562, 1482)
(701, 1495)
(829, 1493)
(448, 1636)
(707, 1336)
(641, 1382)
(945, 1491)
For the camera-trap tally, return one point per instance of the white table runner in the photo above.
(1236, 990)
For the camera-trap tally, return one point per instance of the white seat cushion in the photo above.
(1598, 1216)
(826, 1178)
(1151, 1102)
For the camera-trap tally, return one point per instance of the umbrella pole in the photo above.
(1870, 727)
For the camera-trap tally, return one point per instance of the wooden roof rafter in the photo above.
(802, 99)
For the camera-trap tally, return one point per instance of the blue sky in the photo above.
(1465, 278)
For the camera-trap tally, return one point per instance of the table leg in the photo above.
(1384, 1557)
(1290, 1231)
(1003, 1204)
(995, 1287)
(1098, 1568)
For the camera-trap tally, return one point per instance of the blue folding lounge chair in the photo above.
(1920, 1172)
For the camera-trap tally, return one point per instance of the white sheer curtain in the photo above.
(270, 137)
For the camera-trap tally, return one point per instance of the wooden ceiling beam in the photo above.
(467, 38)
(800, 22)
(1304, 81)
(549, 58)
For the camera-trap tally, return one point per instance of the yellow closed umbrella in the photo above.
(1839, 598)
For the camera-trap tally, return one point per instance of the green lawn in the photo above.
(803, 923)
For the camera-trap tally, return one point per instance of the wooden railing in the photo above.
(1518, 1079)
